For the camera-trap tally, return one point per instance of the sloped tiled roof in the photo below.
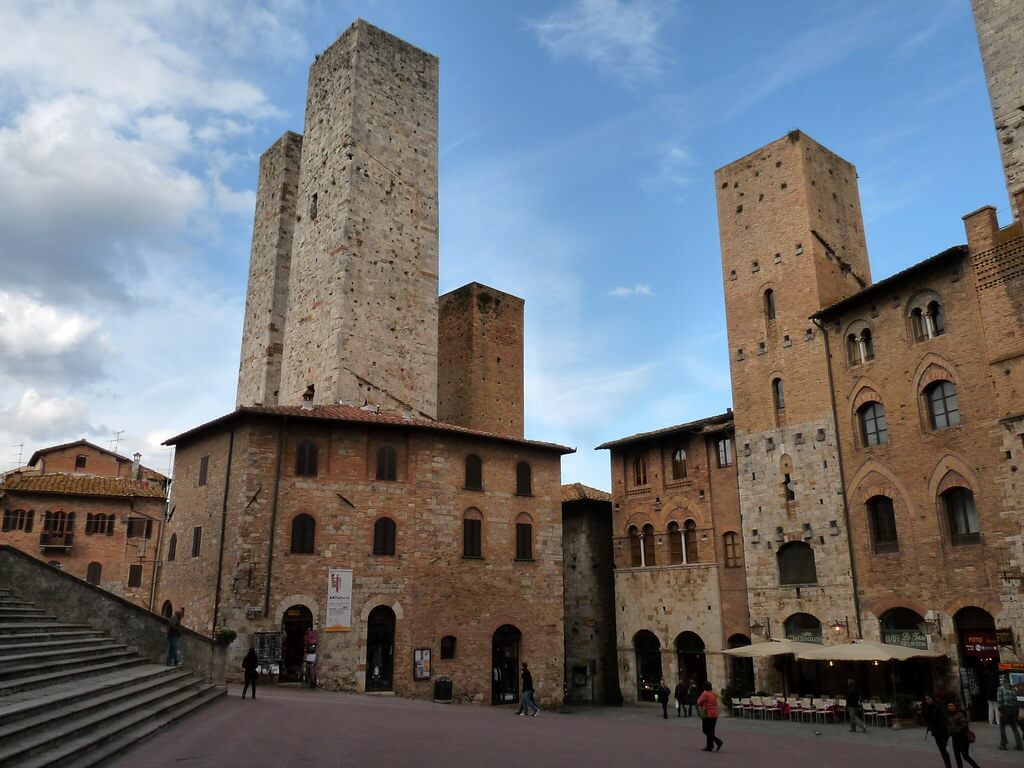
(352, 414)
(83, 442)
(581, 492)
(79, 485)
(700, 425)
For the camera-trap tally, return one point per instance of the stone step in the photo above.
(10, 602)
(53, 656)
(22, 628)
(104, 742)
(48, 642)
(69, 635)
(28, 668)
(70, 673)
(25, 608)
(86, 716)
(34, 704)
(24, 617)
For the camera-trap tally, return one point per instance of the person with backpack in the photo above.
(960, 733)
(1009, 712)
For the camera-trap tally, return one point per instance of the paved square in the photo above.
(295, 727)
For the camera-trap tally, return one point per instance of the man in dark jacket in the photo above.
(853, 707)
(663, 694)
(174, 638)
(249, 666)
(527, 702)
(680, 696)
(934, 714)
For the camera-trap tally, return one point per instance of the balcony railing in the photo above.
(50, 540)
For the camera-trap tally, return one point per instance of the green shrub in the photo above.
(225, 636)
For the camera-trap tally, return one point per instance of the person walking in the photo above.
(991, 692)
(691, 698)
(663, 694)
(960, 734)
(707, 706)
(680, 697)
(249, 666)
(174, 638)
(853, 709)
(934, 715)
(1009, 712)
(528, 702)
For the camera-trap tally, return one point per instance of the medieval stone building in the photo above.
(335, 465)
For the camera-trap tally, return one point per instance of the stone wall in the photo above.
(362, 312)
(480, 360)
(1000, 25)
(266, 301)
(433, 590)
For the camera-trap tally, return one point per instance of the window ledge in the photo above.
(887, 549)
(524, 560)
(472, 557)
(965, 539)
(471, 488)
(524, 495)
(382, 554)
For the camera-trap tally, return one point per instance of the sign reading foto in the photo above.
(339, 600)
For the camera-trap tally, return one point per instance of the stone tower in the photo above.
(792, 241)
(266, 302)
(1000, 27)
(480, 360)
(361, 323)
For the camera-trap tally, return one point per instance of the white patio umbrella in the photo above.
(771, 648)
(864, 650)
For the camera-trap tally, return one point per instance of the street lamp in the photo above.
(839, 626)
(758, 628)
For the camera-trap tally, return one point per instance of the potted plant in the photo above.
(225, 636)
(904, 711)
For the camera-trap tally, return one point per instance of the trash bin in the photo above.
(443, 690)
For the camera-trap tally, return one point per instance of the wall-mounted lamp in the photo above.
(840, 626)
(758, 628)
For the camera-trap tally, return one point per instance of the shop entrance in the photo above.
(742, 669)
(297, 620)
(693, 667)
(505, 665)
(648, 664)
(380, 649)
(979, 657)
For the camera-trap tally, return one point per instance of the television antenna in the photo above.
(115, 440)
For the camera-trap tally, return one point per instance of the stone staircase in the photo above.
(72, 696)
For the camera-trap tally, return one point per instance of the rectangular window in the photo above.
(471, 538)
(524, 541)
(725, 452)
(80, 461)
(732, 550)
(204, 465)
(134, 575)
(197, 540)
(140, 528)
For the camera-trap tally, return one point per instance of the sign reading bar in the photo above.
(339, 600)
(908, 638)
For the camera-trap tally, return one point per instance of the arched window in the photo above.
(306, 458)
(872, 424)
(474, 473)
(917, 324)
(926, 318)
(796, 564)
(167, 610)
(690, 541)
(172, 548)
(934, 320)
(303, 534)
(769, 304)
(962, 516)
(649, 556)
(778, 394)
(524, 537)
(943, 410)
(639, 471)
(636, 558)
(387, 463)
(803, 628)
(524, 479)
(678, 464)
(384, 536)
(867, 345)
(732, 549)
(472, 523)
(93, 573)
(448, 647)
(853, 350)
(675, 543)
(882, 519)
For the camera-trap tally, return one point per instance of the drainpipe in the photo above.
(157, 563)
(842, 478)
(273, 516)
(223, 526)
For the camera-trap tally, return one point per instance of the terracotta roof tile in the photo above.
(581, 492)
(79, 485)
(701, 425)
(351, 414)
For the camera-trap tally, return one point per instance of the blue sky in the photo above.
(578, 144)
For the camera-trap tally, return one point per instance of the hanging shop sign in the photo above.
(1004, 637)
(908, 638)
(339, 600)
(980, 643)
(421, 664)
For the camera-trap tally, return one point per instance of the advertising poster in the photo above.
(339, 600)
(421, 664)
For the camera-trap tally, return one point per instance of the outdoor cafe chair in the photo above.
(737, 706)
(884, 713)
(756, 705)
(806, 709)
(746, 706)
(869, 712)
(826, 709)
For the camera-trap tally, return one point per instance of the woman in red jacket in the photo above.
(707, 705)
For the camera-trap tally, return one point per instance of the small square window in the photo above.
(80, 460)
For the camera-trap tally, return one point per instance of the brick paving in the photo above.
(295, 727)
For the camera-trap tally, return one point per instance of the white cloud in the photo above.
(638, 289)
(620, 37)
(41, 417)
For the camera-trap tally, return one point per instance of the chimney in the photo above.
(136, 459)
(981, 226)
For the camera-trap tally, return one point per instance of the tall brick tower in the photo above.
(480, 360)
(259, 373)
(792, 241)
(361, 322)
(1000, 26)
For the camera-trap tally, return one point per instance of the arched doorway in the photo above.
(380, 649)
(693, 666)
(167, 610)
(648, 664)
(979, 656)
(505, 665)
(295, 622)
(742, 669)
(803, 676)
(902, 626)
